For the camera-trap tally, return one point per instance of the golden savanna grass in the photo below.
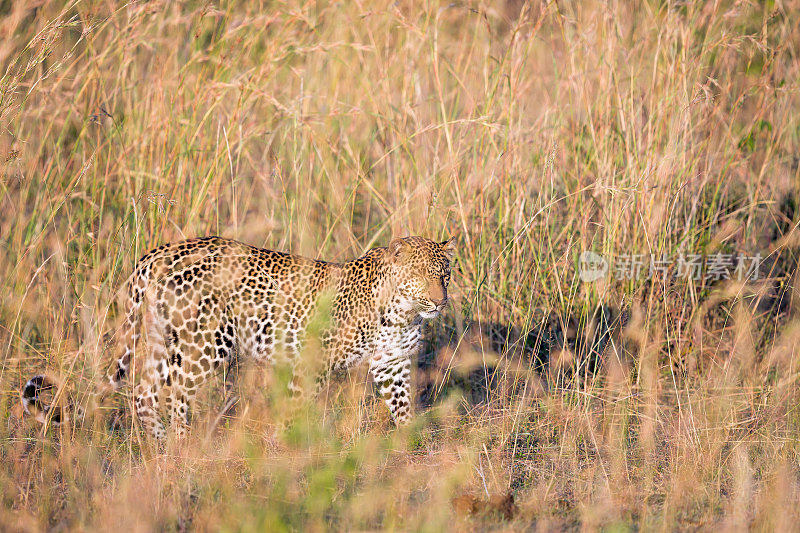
(533, 131)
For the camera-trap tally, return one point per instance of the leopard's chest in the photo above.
(392, 332)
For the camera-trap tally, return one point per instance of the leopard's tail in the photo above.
(42, 398)
(131, 330)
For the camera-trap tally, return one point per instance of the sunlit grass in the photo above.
(533, 133)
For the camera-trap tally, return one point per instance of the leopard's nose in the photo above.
(439, 303)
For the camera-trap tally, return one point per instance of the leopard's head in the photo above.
(421, 268)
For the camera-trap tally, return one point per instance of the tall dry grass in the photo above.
(534, 131)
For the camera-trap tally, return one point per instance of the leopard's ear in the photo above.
(397, 248)
(449, 247)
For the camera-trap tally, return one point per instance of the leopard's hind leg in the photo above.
(194, 358)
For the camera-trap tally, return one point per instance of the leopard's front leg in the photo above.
(393, 377)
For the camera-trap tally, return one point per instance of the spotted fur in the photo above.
(205, 302)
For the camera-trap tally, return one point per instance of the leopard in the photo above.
(195, 305)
